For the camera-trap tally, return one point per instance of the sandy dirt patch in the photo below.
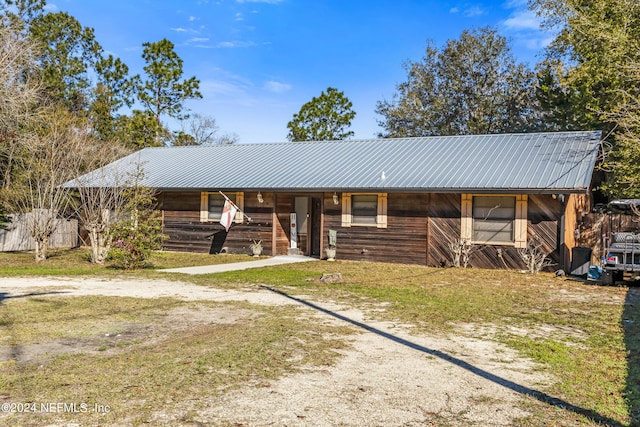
(390, 375)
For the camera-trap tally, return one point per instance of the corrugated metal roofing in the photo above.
(527, 163)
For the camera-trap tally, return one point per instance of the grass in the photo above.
(75, 262)
(158, 371)
(576, 331)
(587, 337)
(39, 318)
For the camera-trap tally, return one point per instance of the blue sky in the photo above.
(259, 61)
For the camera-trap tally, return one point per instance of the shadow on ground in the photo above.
(523, 390)
(7, 321)
(631, 326)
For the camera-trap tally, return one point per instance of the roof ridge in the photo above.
(367, 140)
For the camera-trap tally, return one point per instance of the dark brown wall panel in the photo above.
(403, 241)
(419, 229)
(444, 227)
(181, 220)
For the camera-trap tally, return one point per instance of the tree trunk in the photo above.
(42, 244)
(99, 245)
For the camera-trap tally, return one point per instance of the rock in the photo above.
(331, 278)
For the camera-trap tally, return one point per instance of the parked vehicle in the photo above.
(622, 249)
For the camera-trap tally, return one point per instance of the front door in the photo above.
(316, 218)
(308, 217)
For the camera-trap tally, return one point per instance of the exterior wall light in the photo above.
(260, 198)
(336, 200)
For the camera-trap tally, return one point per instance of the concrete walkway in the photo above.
(221, 268)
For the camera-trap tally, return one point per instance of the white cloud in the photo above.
(523, 20)
(468, 11)
(50, 7)
(473, 11)
(276, 87)
(239, 17)
(193, 18)
(202, 42)
(538, 43)
(515, 4)
(179, 29)
(235, 43)
(523, 27)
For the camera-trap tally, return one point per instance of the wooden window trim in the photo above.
(381, 216)
(204, 206)
(519, 226)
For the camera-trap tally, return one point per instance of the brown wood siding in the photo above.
(543, 225)
(419, 228)
(444, 227)
(544, 214)
(576, 206)
(284, 207)
(185, 231)
(403, 241)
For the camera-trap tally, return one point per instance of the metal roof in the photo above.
(548, 162)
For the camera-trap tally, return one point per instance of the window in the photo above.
(494, 219)
(211, 205)
(367, 209)
(364, 209)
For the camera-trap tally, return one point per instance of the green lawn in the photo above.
(586, 336)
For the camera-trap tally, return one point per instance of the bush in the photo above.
(134, 239)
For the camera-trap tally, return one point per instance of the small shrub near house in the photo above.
(135, 238)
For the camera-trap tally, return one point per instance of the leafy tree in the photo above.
(68, 52)
(71, 64)
(472, 85)
(18, 14)
(164, 93)
(624, 160)
(112, 92)
(142, 130)
(326, 117)
(594, 59)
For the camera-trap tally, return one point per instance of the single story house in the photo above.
(399, 200)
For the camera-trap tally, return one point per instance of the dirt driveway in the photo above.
(389, 375)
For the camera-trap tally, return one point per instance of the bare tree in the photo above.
(56, 151)
(19, 94)
(534, 257)
(202, 130)
(460, 252)
(102, 199)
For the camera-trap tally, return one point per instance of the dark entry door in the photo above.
(316, 217)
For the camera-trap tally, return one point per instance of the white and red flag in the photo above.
(228, 214)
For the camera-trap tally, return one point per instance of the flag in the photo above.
(228, 214)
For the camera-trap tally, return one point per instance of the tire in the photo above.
(607, 278)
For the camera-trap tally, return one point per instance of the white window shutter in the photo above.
(520, 229)
(381, 220)
(466, 220)
(346, 209)
(240, 204)
(204, 206)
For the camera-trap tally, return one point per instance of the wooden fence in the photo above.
(18, 238)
